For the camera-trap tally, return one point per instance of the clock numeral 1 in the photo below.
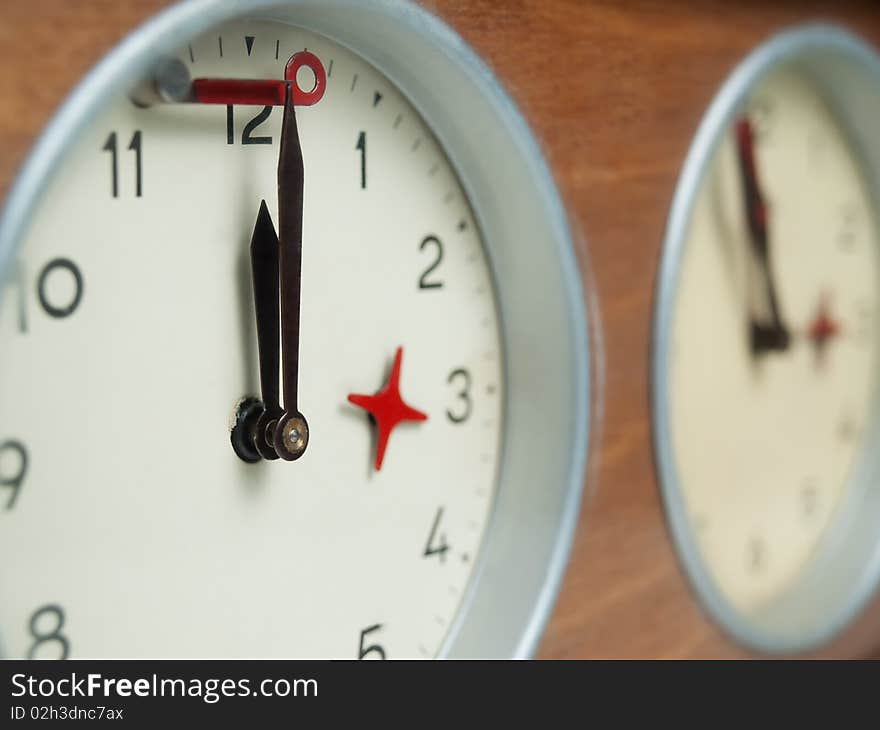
(362, 146)
(134, 146)
(376, 649)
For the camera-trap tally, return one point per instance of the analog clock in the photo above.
(295, 357)
(766, 356)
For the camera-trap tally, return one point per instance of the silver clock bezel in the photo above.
(541, 302)
(834, 588)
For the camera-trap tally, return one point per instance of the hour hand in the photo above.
(264, 267)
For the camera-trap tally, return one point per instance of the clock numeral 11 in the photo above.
(134, 146)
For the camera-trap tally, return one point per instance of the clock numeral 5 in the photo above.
(375, 649)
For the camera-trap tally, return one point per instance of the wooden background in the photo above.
(614, 92)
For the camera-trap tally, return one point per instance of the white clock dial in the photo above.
(128, 338)
(765, 441)
(766, 349)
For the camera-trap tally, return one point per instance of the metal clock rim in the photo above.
(512, 625)
(795, 45)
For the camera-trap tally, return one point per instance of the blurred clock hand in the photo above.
(764, 336)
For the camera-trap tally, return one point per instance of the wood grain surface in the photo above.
(614, 92)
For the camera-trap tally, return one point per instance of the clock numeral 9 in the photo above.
(431, 242)
(134, 146)
(249, 128)
(462, 377)
(375, 649)
(14, 478)
(52, 619)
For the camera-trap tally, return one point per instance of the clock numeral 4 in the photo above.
(436, 545)
(135, 145)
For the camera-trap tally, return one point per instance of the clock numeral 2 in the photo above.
(425, 280)
(134, 146)
(249, 128)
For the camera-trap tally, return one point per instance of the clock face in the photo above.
(130, 524)
(773, 350)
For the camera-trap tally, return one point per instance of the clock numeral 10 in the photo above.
(52, 304)
(134, 146)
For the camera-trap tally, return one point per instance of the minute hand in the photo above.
(292, 432)
(774, 336)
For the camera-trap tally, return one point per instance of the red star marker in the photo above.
(387, 408)
(822, 328)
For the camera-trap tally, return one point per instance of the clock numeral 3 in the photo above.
(464, 396)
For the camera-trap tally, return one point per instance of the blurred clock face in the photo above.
(130, 524)
(774, 351)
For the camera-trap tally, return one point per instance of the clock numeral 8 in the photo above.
(53, 615)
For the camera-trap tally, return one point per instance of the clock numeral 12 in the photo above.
(247, 136)
(134, 146)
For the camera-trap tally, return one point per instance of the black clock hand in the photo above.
(264, 268)
(764, 337)
(292, 432)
